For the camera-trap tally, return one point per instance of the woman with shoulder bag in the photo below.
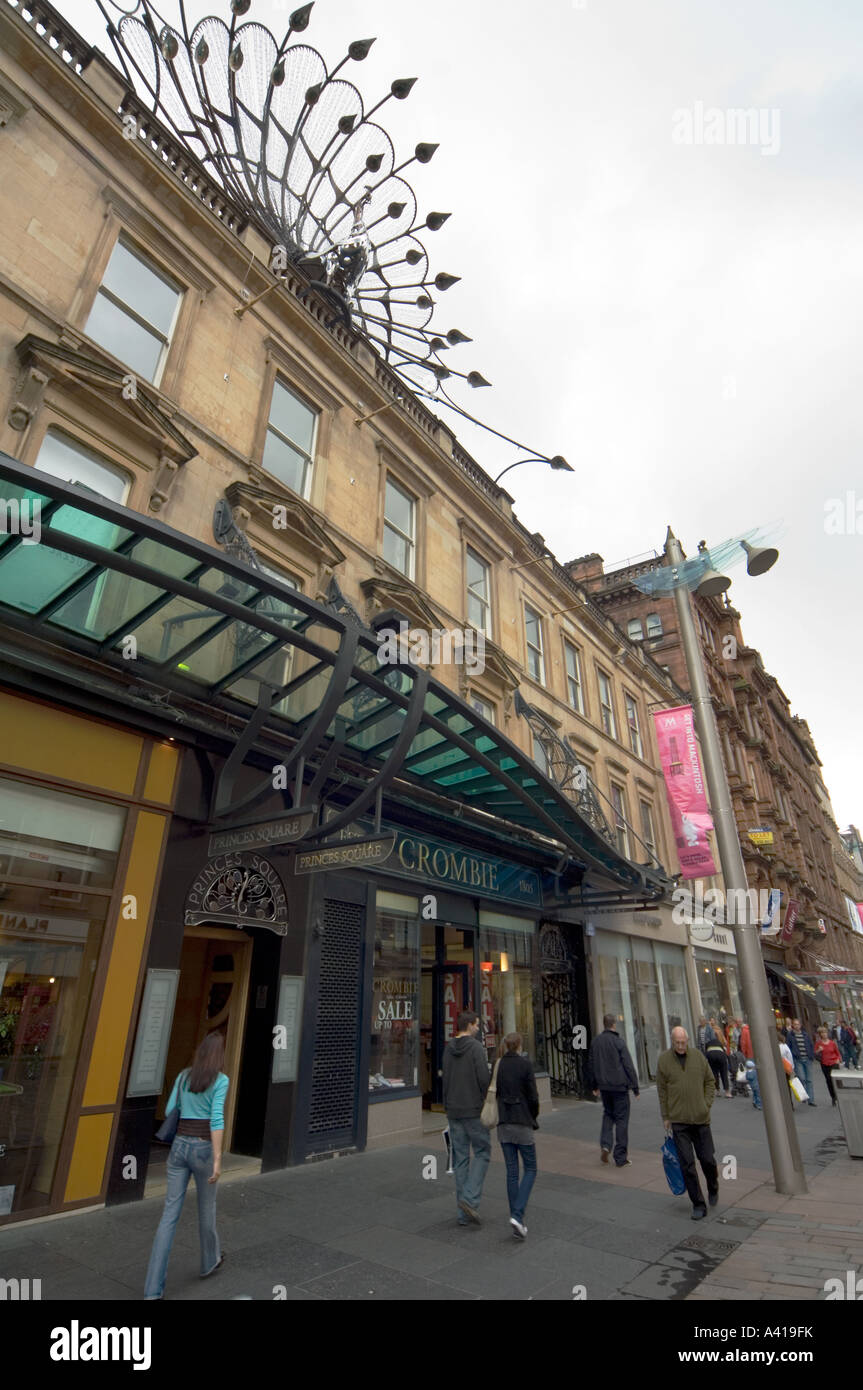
(518, 1107)
(196, 1111)
(717, 1055)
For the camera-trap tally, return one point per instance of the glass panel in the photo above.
(292, 418)
(182, 620)
(50, 937)
(31, 576)
(136, 284)
(394, 1056)
(120, 335)
(399, 509)
(65, 459)
(284, 462)
(509, 984)
(397, 551)
(651, 1037)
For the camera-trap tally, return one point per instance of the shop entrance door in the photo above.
(447, 989)
(212, 996)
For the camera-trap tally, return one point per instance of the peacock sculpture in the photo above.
(293, 144)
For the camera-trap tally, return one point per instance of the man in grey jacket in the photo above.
(465, 1082)
(611, 1074)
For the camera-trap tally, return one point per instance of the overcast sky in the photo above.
(680, 320)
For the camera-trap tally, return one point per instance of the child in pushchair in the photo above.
(737, 1067)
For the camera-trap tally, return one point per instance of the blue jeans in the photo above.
(752, 1078)
(187, 1157)
(517, 1191)
(801, 1071)
(615, 1116)
(469, 1176)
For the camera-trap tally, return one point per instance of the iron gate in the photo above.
(565, 1066)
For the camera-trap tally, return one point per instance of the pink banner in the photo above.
(684, 786)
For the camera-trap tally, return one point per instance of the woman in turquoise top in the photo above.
(200, 1093)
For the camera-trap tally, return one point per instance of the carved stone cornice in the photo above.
(286, 514)
(387, 591)
(112, 391)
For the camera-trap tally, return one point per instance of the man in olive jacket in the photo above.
(686, 1090)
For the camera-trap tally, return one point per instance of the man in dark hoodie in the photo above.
(610, 1073)
(465, 1082)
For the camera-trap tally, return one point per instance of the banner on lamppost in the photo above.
(791, 914)
(684, 787)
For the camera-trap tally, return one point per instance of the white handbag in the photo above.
(798, 1090)
(489, 1113)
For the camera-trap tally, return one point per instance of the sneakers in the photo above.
(699, 1213)
(470, 1211)
(604, 1155)
(519, 1228)
(627, 1162)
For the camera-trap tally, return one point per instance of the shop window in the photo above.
(509, 981)
(58, 859)
(134, 312)
(394, 1056)
(290, 441)
(478, 592)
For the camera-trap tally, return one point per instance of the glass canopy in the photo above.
(96, 578)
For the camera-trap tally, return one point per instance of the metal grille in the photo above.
(558, 1006)
(334, 1071)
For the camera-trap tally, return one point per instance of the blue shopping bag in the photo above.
(671, 1164)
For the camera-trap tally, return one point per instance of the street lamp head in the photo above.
(713, 584)
(559, 463)
(759, 559)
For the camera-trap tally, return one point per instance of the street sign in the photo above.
(349, 854)
(259, 834)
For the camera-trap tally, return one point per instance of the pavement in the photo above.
(382, 1225)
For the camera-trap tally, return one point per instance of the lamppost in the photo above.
(558, 463)
(781, 1132)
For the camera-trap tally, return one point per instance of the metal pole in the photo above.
(782, 1140)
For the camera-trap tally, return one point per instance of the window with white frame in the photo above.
(290, 442)
(64, 458)
(400, 529)
(618, 801)
(483, 707)
(647, 833)
(574, 682)
(539, 755)
(134, 312)
(478, 592)
(635, 630)
(633, 724)
(606, 704)
(533, 638)
(654, 625)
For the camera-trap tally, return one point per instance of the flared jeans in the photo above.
(188, 1158)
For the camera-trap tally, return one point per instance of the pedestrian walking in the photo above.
(844, 1036)
(752, 1081)
(802, 1053)
(199, 1095)
(465, 1082)
(787, 1062)
(518, 1108)
(701, 1035)
(717, 1054)
(685, 1084)
(610, 1073)
(746, 1042)
(734, 1034)
(827, 1052)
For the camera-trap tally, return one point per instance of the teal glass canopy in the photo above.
(108, 582)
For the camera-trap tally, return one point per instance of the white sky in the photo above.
(677, 320)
